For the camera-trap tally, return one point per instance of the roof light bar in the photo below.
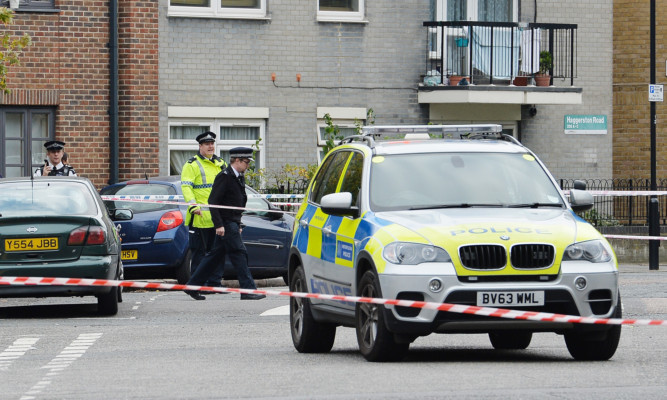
(437, 130)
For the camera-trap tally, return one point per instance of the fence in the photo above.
(620, 210)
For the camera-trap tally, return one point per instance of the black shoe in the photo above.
(252, 296)
(195, 294)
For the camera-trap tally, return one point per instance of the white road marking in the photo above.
(16, 350)
(282, 310)
(59, 363)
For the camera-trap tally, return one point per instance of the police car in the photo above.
(458, 214)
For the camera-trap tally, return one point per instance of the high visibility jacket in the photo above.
(197, 180)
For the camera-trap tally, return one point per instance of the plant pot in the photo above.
(542, 80)
(520, 81)
(455, 79)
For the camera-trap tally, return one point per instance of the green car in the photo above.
(59, 227)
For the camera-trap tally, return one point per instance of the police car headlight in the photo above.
(596, 251)
(414, 253)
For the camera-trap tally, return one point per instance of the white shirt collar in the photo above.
(236, 173)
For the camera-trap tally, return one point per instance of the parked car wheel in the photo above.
(107, 304)
(510, 340)
(183, 271)
(376, 343)
(308, 335)
(586, 347)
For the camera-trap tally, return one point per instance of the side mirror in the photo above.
(339, 204)
(580, 200)
(579, 184)
(122, 214)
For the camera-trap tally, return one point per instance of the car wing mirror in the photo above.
(122, 214)
(339, 204)
(580, 200)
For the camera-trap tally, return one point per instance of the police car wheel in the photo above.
(510, 340)
(308, 335)
(376, 343)
(583, 348)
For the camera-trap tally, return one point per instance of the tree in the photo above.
(10, 49)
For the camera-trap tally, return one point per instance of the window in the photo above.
(327, 180)
(234, 127)
(477, 10)
(340, 10)
(240, 9)
(23, 132)
(352, 178)
(32, 5)
(345, 118)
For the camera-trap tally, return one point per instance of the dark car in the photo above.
(59, 227)
(156, 242)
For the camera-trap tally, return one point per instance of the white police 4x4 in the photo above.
(454, 214)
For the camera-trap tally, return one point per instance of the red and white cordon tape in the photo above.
(181, 203)
(455, 308)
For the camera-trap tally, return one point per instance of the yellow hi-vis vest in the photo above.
(196, 182)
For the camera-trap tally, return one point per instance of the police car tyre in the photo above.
(308, 335)
(583, 348)
(107, 303)
(183, 271)
(510, 340)
(376, 342)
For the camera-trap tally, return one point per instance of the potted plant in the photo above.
(546, 64)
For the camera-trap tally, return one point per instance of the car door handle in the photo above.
(327, 230)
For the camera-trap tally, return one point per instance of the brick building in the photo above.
(630, 88)
(262, 72)
(61, 90)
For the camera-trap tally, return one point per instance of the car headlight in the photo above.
(596, 251)
(414, 253)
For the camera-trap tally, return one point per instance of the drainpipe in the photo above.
(113, 91)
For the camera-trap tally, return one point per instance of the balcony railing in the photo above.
(498, 52)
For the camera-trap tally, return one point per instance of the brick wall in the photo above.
(630, 89)
(67, 66)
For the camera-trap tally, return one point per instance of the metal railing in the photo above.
(621, 210)
(496, 52)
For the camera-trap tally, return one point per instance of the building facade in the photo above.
(264, 73)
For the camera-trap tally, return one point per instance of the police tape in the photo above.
(447, 307)
(180, 197)
(142, 199)
(627, 192)
(635, 237)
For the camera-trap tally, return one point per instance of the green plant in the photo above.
(370, 120)
(595, 218)
(9, 49)
(546, 62)
(331, 134)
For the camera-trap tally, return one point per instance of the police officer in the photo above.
(197, 178)
(228, 190)
(54, 166)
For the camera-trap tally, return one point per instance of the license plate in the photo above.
(31, 244)
(504, 299)
(129, 254)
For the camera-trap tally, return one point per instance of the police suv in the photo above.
(458, 214)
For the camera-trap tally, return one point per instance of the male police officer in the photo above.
(197, 178)
(228, 190)
(54, 165)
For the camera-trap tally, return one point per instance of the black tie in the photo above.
(241, 180)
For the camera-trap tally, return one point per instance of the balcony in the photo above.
(499, 61)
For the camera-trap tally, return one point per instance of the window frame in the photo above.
(214, 125)
(32, 5)
(27, 137)
(342, 16)
(216, 10)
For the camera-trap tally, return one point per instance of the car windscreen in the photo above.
(28, 198)
(451, 180)
(139, 189)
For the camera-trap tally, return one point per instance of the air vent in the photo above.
(532, 256)
(483, 256)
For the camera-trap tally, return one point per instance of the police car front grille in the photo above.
(531, 256)
(483, 256)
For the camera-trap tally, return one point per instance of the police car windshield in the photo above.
(460, 180)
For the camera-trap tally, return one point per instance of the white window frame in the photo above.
(213, 118)
(215, 10)
(472, 10)
(342, 116)
(342, 16)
